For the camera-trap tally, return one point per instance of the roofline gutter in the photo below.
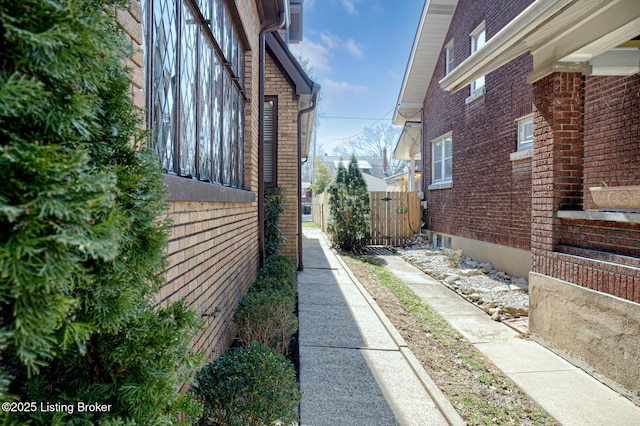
(507, 42)
(261, 77)
(310, 108)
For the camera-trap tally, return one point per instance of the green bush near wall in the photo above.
(251, 385)
(255, 384)
(81, 234)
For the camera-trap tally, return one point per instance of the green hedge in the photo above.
(267, 317)
(249, 386)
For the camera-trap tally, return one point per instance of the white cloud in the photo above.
(329, 39)
(317, 54)
(353, 48)
(340, 87)
(349, 6)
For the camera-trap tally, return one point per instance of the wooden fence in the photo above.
(395, 216)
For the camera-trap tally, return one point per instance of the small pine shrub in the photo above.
(266, 283)
(349, 225)
(248, 386)
(267, 317)
(273, 208)
(280, 268)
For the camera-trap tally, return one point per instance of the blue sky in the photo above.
(358, 51)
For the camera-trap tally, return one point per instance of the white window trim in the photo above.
(519, 121)
(445, 182)
(476, 92)
(523, 151)
(449, 57)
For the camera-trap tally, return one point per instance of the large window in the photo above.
(477, 41)
(441, 160)
(196, 89)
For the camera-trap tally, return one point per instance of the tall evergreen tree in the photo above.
(81, 239)
(349, 224)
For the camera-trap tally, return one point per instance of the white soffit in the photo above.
(553, 31)
(428, 42)
(408, 145)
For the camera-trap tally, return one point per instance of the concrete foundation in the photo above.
(514, 261)
(595, 331)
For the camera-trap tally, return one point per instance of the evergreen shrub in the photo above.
(280, 268)
(252, 385)
(273, 208)
(349, 224)
(81, 234)
(267, 317)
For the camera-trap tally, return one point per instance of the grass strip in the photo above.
(470, 364)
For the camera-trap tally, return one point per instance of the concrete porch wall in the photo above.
(593, 330)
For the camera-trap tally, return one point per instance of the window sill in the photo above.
(522, 154)
(185, 189)
(440, 185)
(597, 215)
(475, 96)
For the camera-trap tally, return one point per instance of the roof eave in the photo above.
(422, 59)
(571, 31)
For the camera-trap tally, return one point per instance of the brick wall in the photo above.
(287, 155)
(612, 132)
(491, 196)
(211, 259)
(572, 125)
(130, 20)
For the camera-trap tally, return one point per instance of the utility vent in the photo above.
(295, 23)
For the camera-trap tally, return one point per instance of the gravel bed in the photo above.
(499, 294)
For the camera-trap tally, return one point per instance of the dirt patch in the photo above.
(476, 388)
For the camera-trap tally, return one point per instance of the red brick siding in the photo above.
(612, 132)
(599, 255)
(491, 196)
(612, 237)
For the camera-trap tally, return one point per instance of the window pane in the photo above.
(188, 93)
(437, 151)
(234, 137)
(217, 120)
(226, 130)
(217, 20)
(240, 159)
(437, 171)
(163, 63)
(447, 169)
(205, 108)
(447, 148)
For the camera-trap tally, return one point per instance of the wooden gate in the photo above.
(395, 217)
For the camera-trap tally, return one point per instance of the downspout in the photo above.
(300, 113)
(261, 77)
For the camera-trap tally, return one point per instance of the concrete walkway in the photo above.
(355, 369)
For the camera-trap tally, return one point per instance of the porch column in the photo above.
(411, 178)
(558, 154)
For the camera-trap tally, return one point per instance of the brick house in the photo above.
(527, 105)
(198, 74)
